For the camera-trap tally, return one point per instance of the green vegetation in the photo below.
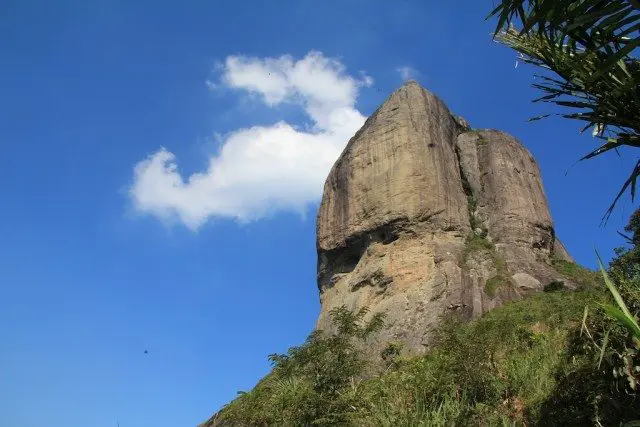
(555, 358)
(316, 383)
(554, 286)
(587, 51)
(568, 358)
(614, 329)
(472, 205)
(474, 222)
(494, 283)
(480, 244)
(477, 227)
(626, 267)
(501, 368)
(578, 274)
(475, 244)
(391, 354)
(512, 367)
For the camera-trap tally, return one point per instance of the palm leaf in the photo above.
(620, 313)
(590, 46)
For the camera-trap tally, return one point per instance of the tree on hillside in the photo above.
(588, 51)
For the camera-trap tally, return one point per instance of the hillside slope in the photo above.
(525, 363)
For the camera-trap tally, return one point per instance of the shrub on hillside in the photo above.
(507, 367)
(312, 384)
(538, 361)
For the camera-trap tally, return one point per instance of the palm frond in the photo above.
(590, 46)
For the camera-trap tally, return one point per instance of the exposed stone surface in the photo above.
(524, 281)
(422, 216)
(560, 252)
(509, 200)
(395, 170)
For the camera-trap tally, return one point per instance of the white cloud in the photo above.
(407, 73)
(261, 169)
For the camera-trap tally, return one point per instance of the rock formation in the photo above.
(422, 216)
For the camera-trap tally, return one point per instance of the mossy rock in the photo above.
(495, 283)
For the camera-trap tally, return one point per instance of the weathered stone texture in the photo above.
(395, 168)
(400, 205)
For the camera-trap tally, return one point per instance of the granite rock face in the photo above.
(421, 216)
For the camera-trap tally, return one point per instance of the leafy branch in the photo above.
(591, 47)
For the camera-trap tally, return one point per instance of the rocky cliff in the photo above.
(422, 216)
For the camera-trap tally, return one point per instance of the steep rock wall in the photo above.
(421, 216)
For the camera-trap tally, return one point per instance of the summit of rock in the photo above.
(413, 83)
(421, 216)
(395, 168)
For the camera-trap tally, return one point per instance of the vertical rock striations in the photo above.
(421, 216)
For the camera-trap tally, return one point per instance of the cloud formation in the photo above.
(407, 73)
(261, 169)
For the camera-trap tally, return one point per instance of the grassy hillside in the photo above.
(530, 362)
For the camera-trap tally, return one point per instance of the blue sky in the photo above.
(105, 252)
